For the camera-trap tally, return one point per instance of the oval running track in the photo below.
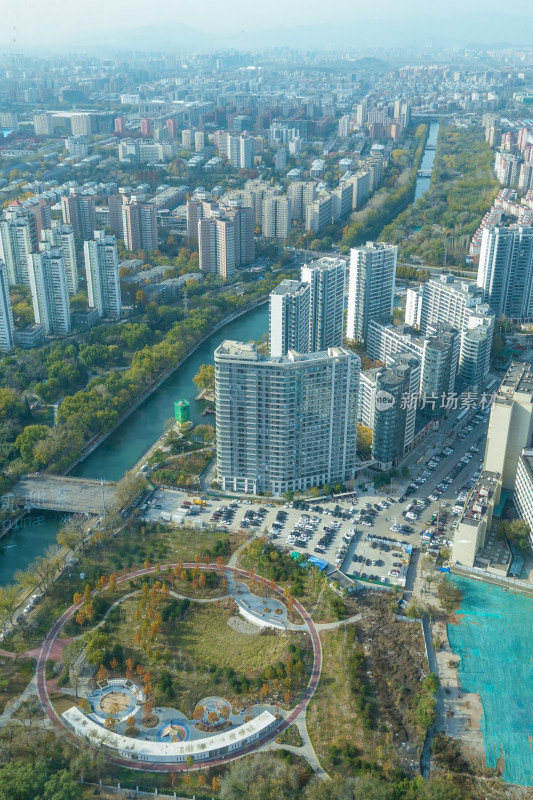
(48, 646)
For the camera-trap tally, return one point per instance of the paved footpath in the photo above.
(31, 689)
(330, 626)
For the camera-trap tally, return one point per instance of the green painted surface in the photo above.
(494, 637)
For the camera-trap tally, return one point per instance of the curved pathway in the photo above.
(50, 644)
(232, 563)
(329, 626)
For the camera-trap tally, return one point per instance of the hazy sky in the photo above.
(26, 22)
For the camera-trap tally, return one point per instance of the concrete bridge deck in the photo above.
(58, 493)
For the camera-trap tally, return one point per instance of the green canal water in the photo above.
(128, 443)
(422, 184)
(494, 638)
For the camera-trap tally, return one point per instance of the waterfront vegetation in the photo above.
(183, 471)
(392, 198)
(95, 392)
(462, 189)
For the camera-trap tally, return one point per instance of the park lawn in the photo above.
(15, 674)
(153, 543)
(184, 545)
(384, 684)
(205, 656)
(332, 716)
(62, 702)
(208, 638)
(323, 604)
(320, 606)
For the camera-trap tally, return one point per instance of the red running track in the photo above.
(49, 646)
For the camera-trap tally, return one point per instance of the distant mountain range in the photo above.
(394, 32)
(484, 29)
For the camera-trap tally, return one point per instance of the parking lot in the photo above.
(366, 535)
(341, 533)
(375, 558)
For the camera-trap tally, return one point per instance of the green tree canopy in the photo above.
(516, 531)
(10, 405)
(29, 437)
(22, 781)
(61, 786)
(128, 488)
(205, 377)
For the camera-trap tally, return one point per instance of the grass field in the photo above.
(204, 655)
(208, 638)
(62, 702)
(332, 718)
(364, 710)
(156, 545)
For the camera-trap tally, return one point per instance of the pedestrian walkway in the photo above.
(330, 626)
(306, 750)
(31, 689)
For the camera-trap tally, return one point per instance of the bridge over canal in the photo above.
(58, 493)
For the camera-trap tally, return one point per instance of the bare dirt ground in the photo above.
(396, 663)
(463, 711)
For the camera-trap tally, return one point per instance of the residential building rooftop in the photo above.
(478, 500)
